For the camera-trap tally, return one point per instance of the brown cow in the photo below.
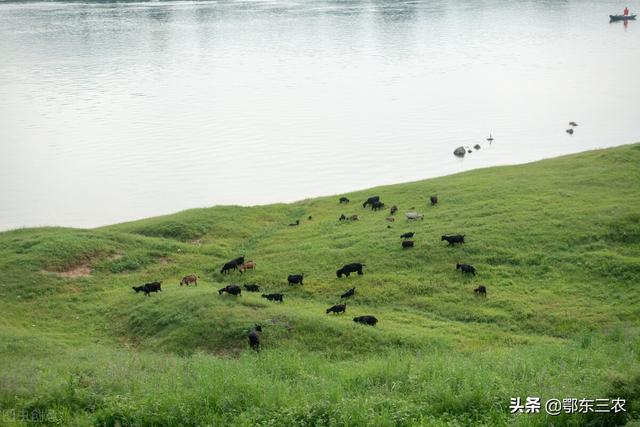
(390, 218)
(187, 280)
(249, 265)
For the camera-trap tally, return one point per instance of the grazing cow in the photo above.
(254, 338)
(338, 308)
(434, 200)
(295, 279)
(466, 268)
(151, 287)
(390, 218)
(252, 287)
(187, 280)
(376, 206)
(232, 265)
(480, 291)
(138, 288)
(249, 265)
(273, 297)
(353, 218)
(412, 216)
(344, 200)
(295, 223)
(394, 209)
(349, 293)
(231, 290)
(453, 239)
(350, 268)
(367, 320)
(371, 200)
(407, 235)
(407, 244)
(342, 218)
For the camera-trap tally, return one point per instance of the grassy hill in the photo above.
(556, 242)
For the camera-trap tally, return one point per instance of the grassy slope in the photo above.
(557, 243)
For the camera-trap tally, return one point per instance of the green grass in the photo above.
(556, 242)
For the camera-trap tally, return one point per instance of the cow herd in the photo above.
(241, 266)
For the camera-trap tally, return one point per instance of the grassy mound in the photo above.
(556, 243)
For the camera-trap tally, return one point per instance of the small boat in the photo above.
(621, 17)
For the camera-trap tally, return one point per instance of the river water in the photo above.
(116, 111)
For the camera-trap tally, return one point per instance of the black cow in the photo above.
(371, 200)
(231, 290)
(407, 235)
(251, 287)
(295, 279)
(481, 291)
(367, 320)
(349, 293)
(393, 210)
(138, 288)
(232, 265)
(466, 268)
(338, 308)
(453, 239)
(376, 206)
(350, 268)
(434, 200)
(342, 218)
(273, 297)
(151, 287)
(254, 338)
(407, 244)
(344, 200)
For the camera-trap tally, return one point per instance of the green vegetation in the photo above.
(557, 243)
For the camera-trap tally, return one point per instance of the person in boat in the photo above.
(626, 11)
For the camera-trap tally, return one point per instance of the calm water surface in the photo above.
(116, 111)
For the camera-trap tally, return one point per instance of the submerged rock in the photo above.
(460, 152)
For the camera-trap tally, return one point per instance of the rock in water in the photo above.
(460, 152)
(477, 146)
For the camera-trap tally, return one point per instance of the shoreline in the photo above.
(305, 199)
